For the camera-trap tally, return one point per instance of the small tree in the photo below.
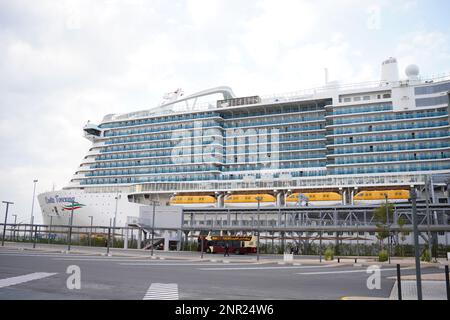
(380, 218)
(329, 254)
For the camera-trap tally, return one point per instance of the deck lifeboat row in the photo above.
(250, 200)
(379, 196)
(193, 201)
(295, 199)
(314, 198)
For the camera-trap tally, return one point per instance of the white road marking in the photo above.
(25, 278)
(41, 255)
(179, 264)
(162, 291)
(262, 268)
(347, 271)
(107, 259)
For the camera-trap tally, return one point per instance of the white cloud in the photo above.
(430, 50)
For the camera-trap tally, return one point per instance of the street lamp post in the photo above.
(413, 197)
(427, 202)
(257, 238)
(115, 218)
(388, 229)
(153, 227)
(35, 181)
(32, 202)
(6, 217)
(357, 241)
(90, 230)
(50, 229)
(15, 226)
(70, 227)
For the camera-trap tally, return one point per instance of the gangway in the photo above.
(156, 243)
(160, 235)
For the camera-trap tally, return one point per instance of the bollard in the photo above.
(447, 282)
(399, 283)
(356, 260)
(339, 260)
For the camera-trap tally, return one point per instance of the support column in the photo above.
(139, 238)
(186, 238)
(180, 239)
(125, 240)
(220, 202)
(352, 193)
(166, 241)
(279, 199)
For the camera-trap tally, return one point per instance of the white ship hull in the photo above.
(56, 208)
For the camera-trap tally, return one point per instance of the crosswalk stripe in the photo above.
(25, 278)
(162, 291)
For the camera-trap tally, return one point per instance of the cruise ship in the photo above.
(335, 145)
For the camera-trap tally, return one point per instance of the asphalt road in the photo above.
(42, 275)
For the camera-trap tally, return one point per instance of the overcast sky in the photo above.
(63, 63)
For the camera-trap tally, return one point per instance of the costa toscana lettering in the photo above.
(57, 199)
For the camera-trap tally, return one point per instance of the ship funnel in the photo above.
(389, 71)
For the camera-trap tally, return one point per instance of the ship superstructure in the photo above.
(340, 144)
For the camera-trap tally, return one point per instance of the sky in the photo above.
(63, 63)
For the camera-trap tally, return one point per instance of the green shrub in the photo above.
(383, 256)
(329, 254)
(426, 256)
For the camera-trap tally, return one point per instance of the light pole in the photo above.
(115, 217)
(15, 226)
(413, 197)
(6, 217)
(50, 229)
(70, 227)
(427, 201)
(32, 202)
(90, 230)
(257, 239)
(153, 227)
(388, 229)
